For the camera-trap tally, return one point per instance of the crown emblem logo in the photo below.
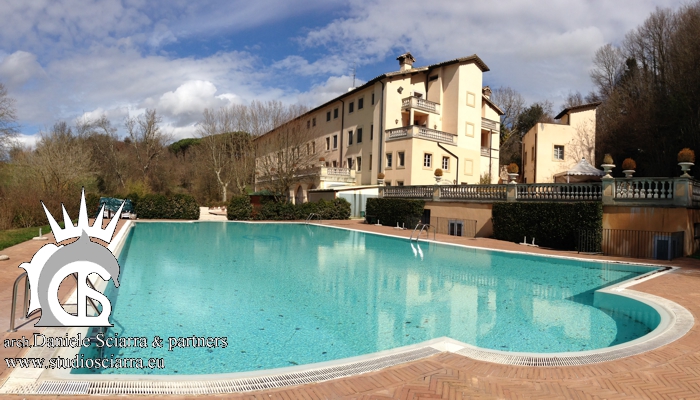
(51, 264)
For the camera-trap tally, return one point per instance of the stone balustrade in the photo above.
(421, 104)
(675, 192)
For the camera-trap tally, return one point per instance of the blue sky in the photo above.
(68, 59)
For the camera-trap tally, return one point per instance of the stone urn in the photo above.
(628, 173)
(685, 167)
(437, 180)
(512, 178)
(380, 182)
(607, 168)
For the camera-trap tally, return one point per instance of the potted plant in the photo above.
(322, 160)
(438, 175)
(380, 178)
(686, 159)
(513, 170)
(628, 167)
(608, 164)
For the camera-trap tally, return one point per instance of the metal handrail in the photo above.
(14, 300)
(422, 227)
(311, 216)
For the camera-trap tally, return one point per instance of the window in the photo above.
(313, 122)
(308, 124)
(335, 141)
(388, 160)
(350, 163)
(399, 183)
(360, 103)
(359, 164)
(400, 156)
(335, 164)
(313, 147)
(370, 162)
(427, 160)
(525, 159)
(308, 148)
(372, 98)
(455, 227)
(446, 163)
(351, 106)
(349, 137)
(328, 116)
(559, 152)
(359, 135)
(387, 183)
(532, 154)
(335, 113)
(371, 132)
(328, 143)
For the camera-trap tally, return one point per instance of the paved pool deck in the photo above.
(669, 372)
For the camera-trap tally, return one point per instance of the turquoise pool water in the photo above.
(288, 294)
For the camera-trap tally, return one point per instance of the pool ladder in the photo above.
(311, 217)
(422, 227)
(25, 314)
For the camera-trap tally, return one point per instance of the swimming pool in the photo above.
(293, 294)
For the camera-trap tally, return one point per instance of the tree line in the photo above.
(649, 89)
(90, 153)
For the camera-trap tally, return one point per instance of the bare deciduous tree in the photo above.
(8, 122)
(608, 66)
(582, 143)
(147, 139)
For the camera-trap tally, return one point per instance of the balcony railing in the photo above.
(485, 152)
(490, 125)
(332, 174)
(474, 192)
(416, 131)
(409, 192)
(559, 191)
(421, 104)
(644, 188)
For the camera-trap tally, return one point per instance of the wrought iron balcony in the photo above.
(421, 132)
(420, 104)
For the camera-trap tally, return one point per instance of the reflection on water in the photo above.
(322, 294)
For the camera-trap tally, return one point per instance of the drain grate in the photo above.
(683, 323)
(225, 385)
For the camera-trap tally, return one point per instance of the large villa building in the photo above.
(403, 124)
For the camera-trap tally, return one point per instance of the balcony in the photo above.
(420, 103)
(325, 174)
(421, 132)
(487, 124)
(485, 152)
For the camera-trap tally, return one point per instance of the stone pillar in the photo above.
(436, 193)
(512, 193)
(608, 196)
(682, 192)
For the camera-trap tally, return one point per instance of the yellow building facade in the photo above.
(550, 149)
(403, 124)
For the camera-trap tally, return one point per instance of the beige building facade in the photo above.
(550, 149)
(403, 124)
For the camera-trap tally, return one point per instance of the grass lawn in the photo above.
(12, 237)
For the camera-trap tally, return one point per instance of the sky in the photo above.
(62, 60)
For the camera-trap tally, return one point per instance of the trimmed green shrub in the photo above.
(158, 206)
(554, 225)
(392, 211)
(328, 209)
(239, 208)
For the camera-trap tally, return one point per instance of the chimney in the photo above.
(406, 61)
(487, 92)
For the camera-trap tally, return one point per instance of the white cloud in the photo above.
(20, 67)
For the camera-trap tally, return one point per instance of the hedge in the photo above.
(389, 212)
(239, 208)
(554, 225)
(327, 209)
(158, 206)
